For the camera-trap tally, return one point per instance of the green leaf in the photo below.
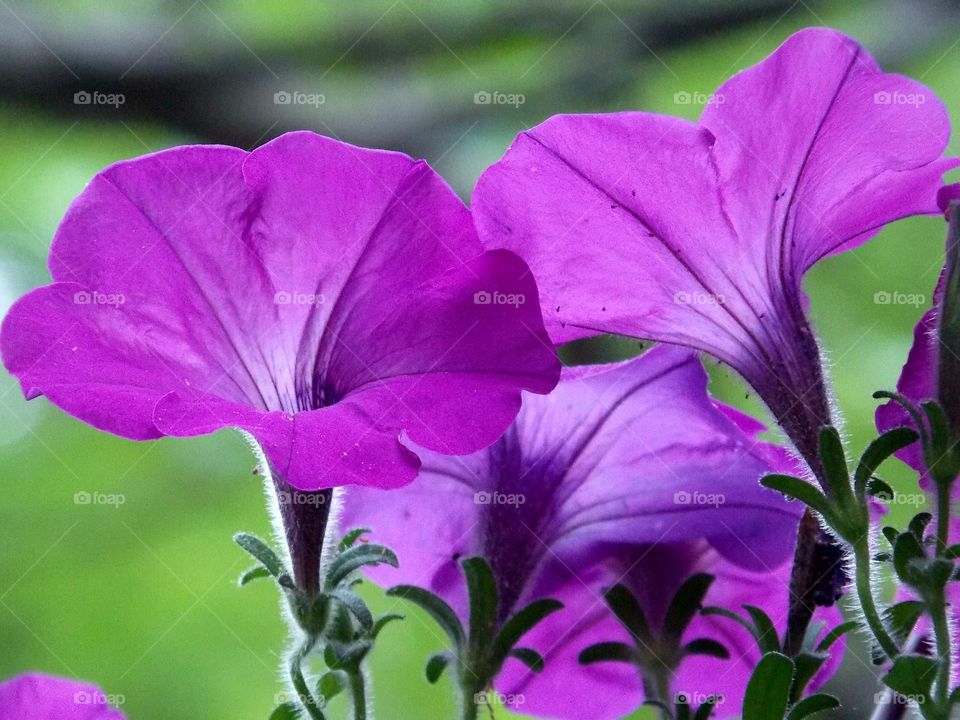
(794, 487)
(877, 452)
(345, 654)
(768, 691)
(686, 603)
(838, 632)
(252, 574)
(706, 708)
(807, 664)
(891, 534)
(355, 558)
(905, 550)
(331, 684)
(628, 611)
(912, 676)
(939, 430)
(351, 537)
(483, 599)
(812, 705)
(520, 624)
(531, 658)
(608, 652)
(383, 621)
(952, 552)
(436, 608)
(881, 490)
(835, 464)
(902, 618)
(436, 664)
(705, 646)
(287, 711)
(357, 607)
(260, 551)
(766, 631)
(918, 525)
(730, 615)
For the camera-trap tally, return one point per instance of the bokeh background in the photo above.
(139, 594)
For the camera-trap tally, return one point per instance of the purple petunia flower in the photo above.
(626, 472)
(44, 697)
(699, 234)
(322, 297)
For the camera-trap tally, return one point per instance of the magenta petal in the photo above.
(653, 573)
(699, 234)
(43, 697)
(204, 287)
(634, 451)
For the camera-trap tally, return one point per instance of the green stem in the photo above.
(358, 691)
(468, 701)
(656, 688)
(941, 633)
(299, 681)
(861, 554)
(943, 516)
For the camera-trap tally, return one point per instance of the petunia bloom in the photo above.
(43, 697)
(620, 466)
(699, 234)
(325, 299)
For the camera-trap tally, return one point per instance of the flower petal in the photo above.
(43, 697)
(255, 286)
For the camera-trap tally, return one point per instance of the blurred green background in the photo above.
(140, 595)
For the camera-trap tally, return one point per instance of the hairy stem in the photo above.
(943, 516)
(299, 682)
(656, 688)
(861, 555)
(358, 693)
(941, 633)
